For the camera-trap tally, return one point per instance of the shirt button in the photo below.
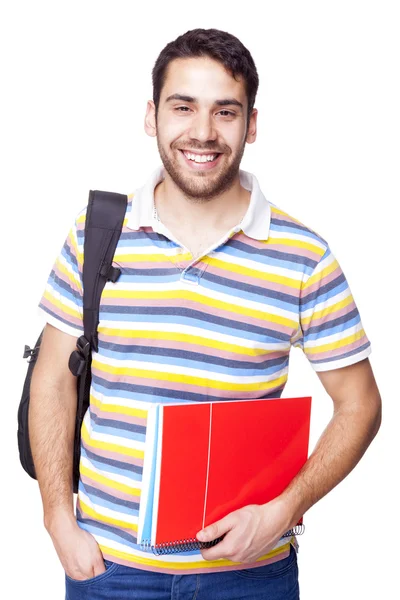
(191, 278)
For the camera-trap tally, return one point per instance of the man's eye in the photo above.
(228, 113)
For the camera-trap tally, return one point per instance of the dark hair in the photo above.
(219, 45)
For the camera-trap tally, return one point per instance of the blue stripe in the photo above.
(329, 359)
(186, 360)
(63, 288)
(171, 356)
(107, 531)
(109, 500)
(153, 394)
(205, 322)
(266, 256)
(331, 327)
(61, 319)
(111, 465)
(325, 292)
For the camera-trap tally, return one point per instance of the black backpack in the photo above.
(104, 220)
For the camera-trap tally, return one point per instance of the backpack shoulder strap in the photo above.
(103, 226)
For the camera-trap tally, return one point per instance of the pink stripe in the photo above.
(236, 567)
(85, 515)
(129, 460)
(110, 490)
(179, 387)
(56, 311)
(338, 352)
(246, 279)
(324, 281)
(187, 347)
(207, 310)
(327, 318)
(115, 416)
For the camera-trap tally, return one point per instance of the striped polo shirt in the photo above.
(175, 328)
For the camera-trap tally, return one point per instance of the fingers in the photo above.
(99, 567)
(217, 529)
(223, 549)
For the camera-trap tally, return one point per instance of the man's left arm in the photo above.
(254, 530)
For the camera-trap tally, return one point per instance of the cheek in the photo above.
(170, 132)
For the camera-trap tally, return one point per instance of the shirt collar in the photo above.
(255, 223)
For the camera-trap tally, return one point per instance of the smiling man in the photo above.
(217, 285)
(201, 131)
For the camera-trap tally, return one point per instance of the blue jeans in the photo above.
(276, 581)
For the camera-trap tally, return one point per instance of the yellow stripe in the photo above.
(74, 281)
(91, 512)
(76, 250)
(297, 244)
(109, 447)
(336, 345)
(117, 408)
(62, 307)
(155, 256)
(322, 274)
(187, 379)
(278, 211)
(205, 301)
(73, 241)
(184, 338)
(329, 310)
(183, 565)
(115, 485)
(253, 273)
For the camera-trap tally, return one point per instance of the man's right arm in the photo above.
(52, 411)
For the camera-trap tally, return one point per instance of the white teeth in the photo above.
(200, 158)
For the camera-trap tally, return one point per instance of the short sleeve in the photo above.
(330, 333)
(62, 302)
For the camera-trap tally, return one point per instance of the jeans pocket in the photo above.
(111, 567)
(273, 570)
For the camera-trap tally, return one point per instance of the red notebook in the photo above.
(205, 460)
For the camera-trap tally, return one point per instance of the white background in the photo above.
(76, 77)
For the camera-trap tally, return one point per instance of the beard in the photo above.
(201, 186)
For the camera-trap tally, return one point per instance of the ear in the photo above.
(150, 126)
(252, 129)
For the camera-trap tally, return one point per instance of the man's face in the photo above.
(191, 117)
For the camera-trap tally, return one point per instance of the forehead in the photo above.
(202, 78)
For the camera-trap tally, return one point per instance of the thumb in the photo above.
(217, 529)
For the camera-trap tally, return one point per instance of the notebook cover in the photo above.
(220, 456)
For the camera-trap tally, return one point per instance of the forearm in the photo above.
(51, 429)
(339, 449)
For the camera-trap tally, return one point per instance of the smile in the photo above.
(200, 162)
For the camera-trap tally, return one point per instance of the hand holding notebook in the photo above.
(206, 460)
(247, 533)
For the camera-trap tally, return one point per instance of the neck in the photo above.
(174, 208)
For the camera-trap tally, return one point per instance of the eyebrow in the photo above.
(223, 102)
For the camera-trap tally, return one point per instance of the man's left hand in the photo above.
(250, 532)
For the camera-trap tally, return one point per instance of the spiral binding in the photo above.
(296, 530)
(194, 544)
(178, 545)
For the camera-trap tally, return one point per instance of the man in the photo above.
(217, 284)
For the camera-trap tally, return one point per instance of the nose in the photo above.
(203, 127)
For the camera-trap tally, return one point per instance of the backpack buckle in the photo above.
(79, 357)
(110, 272)
(83, 346)
(30, 352)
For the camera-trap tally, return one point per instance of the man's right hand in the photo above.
(78, 551)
